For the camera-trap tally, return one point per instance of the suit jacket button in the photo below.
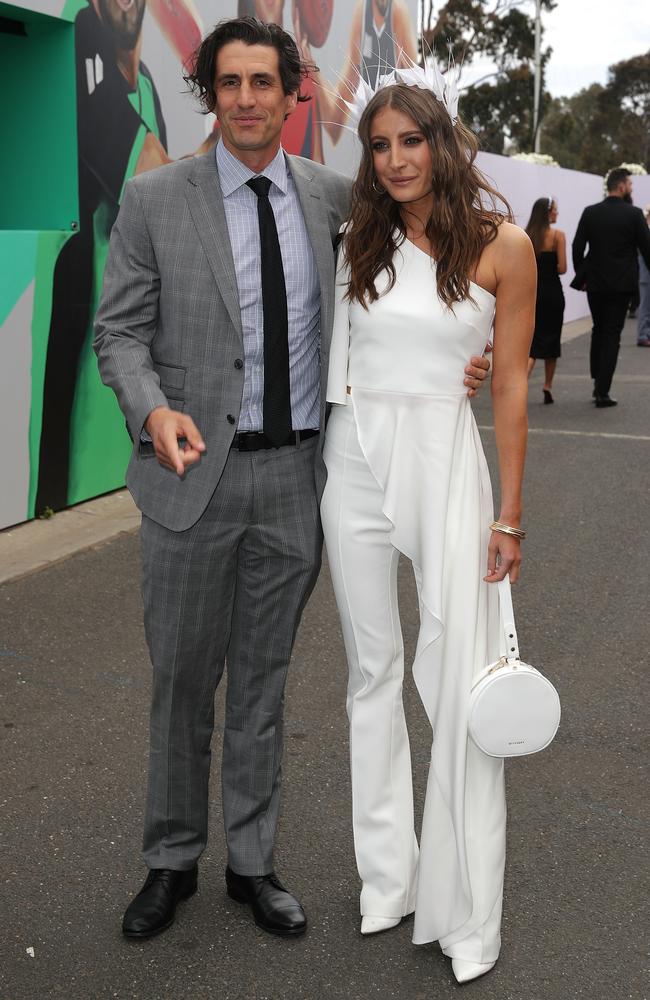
(239, 363)
(230, 418)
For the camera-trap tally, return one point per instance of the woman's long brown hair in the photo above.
(539, 223)
(464, 218)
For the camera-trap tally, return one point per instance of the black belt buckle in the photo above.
(304, 435)
(257, 440)
(250, 441)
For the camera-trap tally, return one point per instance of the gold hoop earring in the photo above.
(377, 188)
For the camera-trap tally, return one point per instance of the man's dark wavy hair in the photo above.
(615, 176)
(251, 31)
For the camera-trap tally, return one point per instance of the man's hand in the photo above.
(165, 427)
(476, 373)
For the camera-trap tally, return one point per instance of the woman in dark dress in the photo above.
(550, 251)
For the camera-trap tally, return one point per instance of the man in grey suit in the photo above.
(231, 535)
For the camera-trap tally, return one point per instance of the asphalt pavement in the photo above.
(74, 688)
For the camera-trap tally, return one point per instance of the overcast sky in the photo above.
(586, 36)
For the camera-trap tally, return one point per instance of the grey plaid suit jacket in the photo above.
(168, 328)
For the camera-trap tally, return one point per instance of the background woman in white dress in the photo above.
(428, 267)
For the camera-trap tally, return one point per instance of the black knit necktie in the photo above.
(277, 398)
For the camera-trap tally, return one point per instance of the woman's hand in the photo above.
(504, 558)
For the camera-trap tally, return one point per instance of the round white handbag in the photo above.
(513, 708)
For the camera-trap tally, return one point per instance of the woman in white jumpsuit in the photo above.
(426, 273)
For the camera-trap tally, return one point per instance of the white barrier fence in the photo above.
(523, 183)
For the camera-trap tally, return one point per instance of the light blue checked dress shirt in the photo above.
(300, 277)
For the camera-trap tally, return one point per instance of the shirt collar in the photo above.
(233, 174)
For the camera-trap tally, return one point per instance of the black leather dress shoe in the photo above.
(153, 909)
(602, 401)
(274, 908)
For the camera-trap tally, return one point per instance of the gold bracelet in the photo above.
(505, 529)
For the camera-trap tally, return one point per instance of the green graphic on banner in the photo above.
(48, 247)
(38, 124)
(17, 256)
(99, 443)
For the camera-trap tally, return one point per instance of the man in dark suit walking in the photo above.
(614, 230)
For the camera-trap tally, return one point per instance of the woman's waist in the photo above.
(436, 424)
(428, 373)
(412, 383)
(548, 279)
(409, 393)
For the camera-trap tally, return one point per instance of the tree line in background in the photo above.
(591, 130)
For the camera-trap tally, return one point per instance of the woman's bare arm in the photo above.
(513, 261)
(404, 35)
(332, 112)
(560, 249)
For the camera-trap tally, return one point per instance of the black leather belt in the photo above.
(257, 440)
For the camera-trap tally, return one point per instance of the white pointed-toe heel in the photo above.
(374, 925)
(465, 971)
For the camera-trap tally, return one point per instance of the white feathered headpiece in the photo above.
(444, 88)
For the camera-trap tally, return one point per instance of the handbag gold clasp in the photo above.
(502, 662)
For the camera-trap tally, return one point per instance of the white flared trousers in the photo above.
(363, 564)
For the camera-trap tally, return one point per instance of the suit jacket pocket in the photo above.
(146, 448)
(172, 381)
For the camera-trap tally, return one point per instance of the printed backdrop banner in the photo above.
(118, 68)
(342, 37)
(118, 106)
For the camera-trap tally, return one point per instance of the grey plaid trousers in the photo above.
(228, 591)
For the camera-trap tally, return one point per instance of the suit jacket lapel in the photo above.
(315, 214)
(205, 203)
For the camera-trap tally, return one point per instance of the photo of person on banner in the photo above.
(382, 38)
(121, 132)
(302, 133)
